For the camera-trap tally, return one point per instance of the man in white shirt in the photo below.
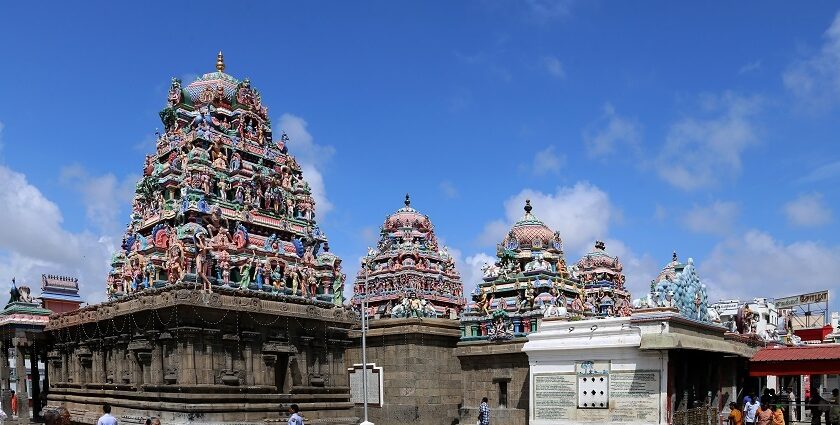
(106, 418)
(295, 419)
(750, 410)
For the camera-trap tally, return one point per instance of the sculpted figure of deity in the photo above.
(223, 186)
(277, 275)
(245, 272)
(259, 273)
(235, 161)
(201, 261)
(338, 287)
(312, 283)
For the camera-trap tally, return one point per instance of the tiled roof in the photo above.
(804, 353)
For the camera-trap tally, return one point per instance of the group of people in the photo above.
(771, 409)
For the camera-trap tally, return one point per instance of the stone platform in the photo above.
(189, 357)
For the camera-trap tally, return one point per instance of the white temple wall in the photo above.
(570, 360)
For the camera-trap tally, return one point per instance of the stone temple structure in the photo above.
(408, 274)
(225, 303)
(531, 280)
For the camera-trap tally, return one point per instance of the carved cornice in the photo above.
(185, 294)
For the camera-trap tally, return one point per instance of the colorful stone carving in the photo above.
(530, 281)
(678, 286)
(216, 186)
(408, 274)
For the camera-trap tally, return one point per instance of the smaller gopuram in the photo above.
(529, 280)
(60, 294)
(603, 282)
(408, 274)
(414, 294)
(22, 322)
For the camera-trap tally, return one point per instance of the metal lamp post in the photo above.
(364, 345)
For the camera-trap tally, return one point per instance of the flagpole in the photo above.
(364, 345)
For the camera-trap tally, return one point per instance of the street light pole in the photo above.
(364, 345)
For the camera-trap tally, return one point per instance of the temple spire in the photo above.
(407, 200)
(528, 207)
(220, 62)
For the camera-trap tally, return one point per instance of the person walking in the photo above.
(834, 407)
(295, 419)
(736, 416)
(778, 415)
(106, 418)
(14, 404)
(484, 412)
(750, 410)
(764, 416)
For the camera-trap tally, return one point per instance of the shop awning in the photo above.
(804, 360)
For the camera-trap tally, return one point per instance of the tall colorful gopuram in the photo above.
(225, 304)
(408, 274)
(223, 203)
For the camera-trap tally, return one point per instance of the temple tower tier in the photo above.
(408, 274)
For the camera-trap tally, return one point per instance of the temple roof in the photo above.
(530, 232)
(599, 260)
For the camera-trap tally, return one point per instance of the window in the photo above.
(503, 395)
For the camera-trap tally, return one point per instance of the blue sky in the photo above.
(709, 129)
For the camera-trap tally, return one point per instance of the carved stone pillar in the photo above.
(157, 362)
(142, 354)
(35, 373)
(186, 337)
(84, 366)
(249, 339)
(209, 360)
(22, 393)
(5, 381)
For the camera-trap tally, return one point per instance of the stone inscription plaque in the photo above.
(373, 389)
(634, 396)
(554, 396)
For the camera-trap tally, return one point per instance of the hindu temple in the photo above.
(225, 303)
(408, 274)
(531, 280)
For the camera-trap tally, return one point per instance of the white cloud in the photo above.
(716, 218)
(581, 213)
(546, 161)
(660, 213)
(750, 67)
(311, 157)
(369, 235)
(470, 268)
(103, 196)
(808, 210)
(823, 172)
(757, 265)
(548, 10)
(639, 270)
(554, 67)
(816, 80)
(448, 189)
(34, 241)
(614, 132)
(700, 151)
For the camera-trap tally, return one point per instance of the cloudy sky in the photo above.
(709, 129)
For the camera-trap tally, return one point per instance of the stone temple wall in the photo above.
(500, 372)
(190, 357)
(421, 376)
(431, 378)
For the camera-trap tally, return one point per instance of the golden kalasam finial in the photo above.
(220, 62)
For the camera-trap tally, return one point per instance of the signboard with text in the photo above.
(804, 299)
